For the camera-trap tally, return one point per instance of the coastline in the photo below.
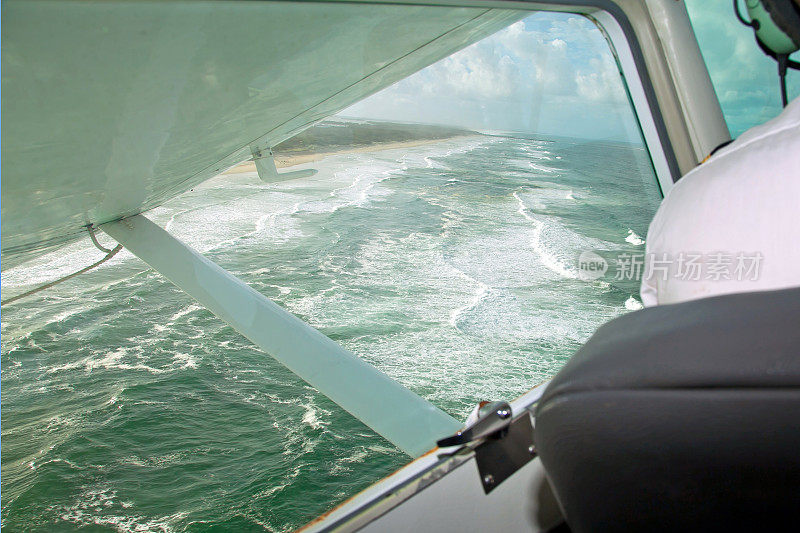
(285, 160)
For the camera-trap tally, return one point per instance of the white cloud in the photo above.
(554, 73)
(480, 71)
(550, 73)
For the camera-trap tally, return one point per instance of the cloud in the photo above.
(554, 73)
(478, 71)
(548, 73)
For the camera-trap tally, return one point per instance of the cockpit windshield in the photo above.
(463, 230)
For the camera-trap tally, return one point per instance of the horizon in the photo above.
(487, 132)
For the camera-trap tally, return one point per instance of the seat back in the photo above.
(680, 417)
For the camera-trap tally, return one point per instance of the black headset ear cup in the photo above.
(786, 15)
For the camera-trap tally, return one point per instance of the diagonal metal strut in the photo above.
(396, 413)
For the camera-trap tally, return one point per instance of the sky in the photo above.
(554, 74)
(745, 79)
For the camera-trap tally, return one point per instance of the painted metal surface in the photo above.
(402, 417)
(264, 160)
(442, 491)
(456, 502)
(689, 76)
(111, 108)
(634, 84)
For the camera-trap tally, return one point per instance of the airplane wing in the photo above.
(111, 108)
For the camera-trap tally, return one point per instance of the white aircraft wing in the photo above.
(111, 108)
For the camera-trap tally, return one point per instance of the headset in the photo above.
(776, 24)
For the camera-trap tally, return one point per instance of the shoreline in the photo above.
(284, 161)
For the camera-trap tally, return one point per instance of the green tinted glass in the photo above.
(746, 80)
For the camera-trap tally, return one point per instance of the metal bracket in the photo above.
(494, 418)
(502, 444)
(500, 457)
(264, 160)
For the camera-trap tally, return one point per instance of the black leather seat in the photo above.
(681, 417)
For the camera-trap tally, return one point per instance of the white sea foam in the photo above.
(278, 225)
(362, 180)
(541, 168)
(633, 238)
(161, 328)
(431, 155)
(536, 152)
(481, 291)
(183, 360)
(632, 304)
(548, 259)
(430, 163)
(185, 311)
(283, 290)
(99, 507)
(171, 221)
(310, 417)
(122, 358)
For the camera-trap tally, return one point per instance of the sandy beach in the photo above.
(284, 160)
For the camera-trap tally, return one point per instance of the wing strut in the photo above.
(396, 413)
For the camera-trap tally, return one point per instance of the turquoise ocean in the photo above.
(451, 266)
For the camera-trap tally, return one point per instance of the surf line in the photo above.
(547, 259)
(481, 291)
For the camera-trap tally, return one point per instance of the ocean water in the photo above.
(450, 266)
